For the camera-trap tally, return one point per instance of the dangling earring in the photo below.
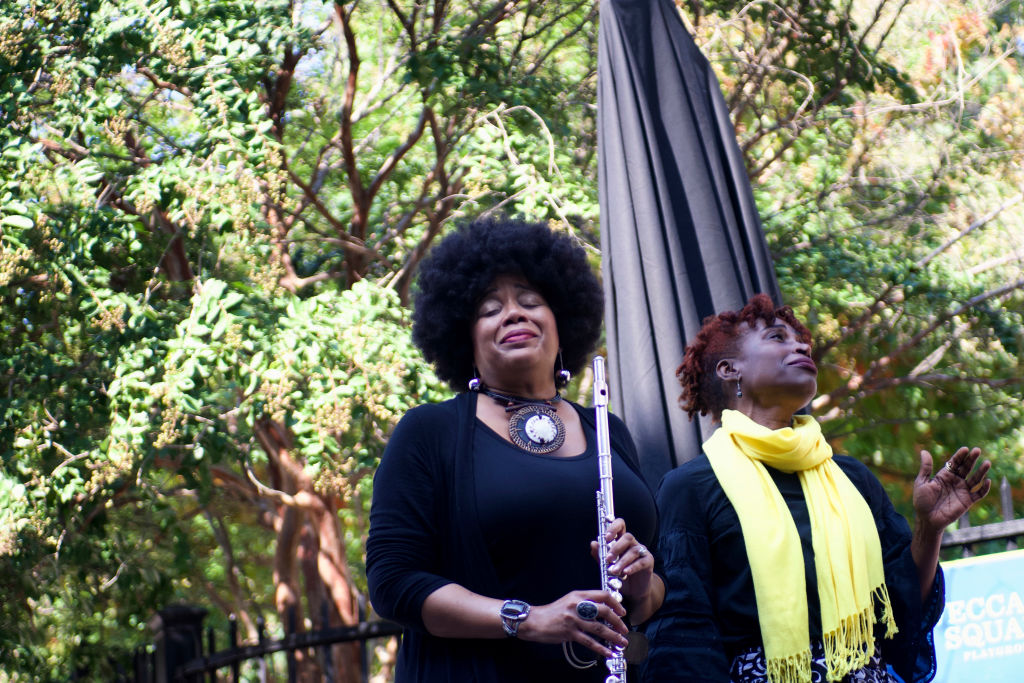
(739, 390)
(474, 383)
(563, 376)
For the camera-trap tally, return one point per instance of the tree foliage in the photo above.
(212, 211)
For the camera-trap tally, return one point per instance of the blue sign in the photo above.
(980, 636)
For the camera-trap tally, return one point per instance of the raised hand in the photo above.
(942, 499)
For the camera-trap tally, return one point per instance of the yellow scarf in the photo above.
(847, 552)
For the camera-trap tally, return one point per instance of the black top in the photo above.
(439, 506)
(710, 612)
(538, 515)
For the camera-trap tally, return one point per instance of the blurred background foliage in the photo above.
(211, 212)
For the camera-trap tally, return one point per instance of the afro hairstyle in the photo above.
(457, 271)
(703, 391)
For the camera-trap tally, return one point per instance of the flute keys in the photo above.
(615, 583)
(616, 670)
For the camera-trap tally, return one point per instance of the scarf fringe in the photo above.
(794, 668)
(850, 646)
(880, 598)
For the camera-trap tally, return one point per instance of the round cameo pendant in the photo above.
(536, 429)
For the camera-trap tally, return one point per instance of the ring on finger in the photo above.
(949, 466)
(641, 550)
(586, 610)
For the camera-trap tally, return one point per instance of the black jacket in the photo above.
(424, 534)
(710, 612)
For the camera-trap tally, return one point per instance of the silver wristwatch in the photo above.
(513, 612)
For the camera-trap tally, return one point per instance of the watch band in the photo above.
(512, 613)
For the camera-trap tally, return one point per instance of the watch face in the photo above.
(514, 609)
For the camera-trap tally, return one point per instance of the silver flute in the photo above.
(606, 510)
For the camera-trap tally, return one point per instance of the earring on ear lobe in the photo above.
(739, 390)
(474, 384)
(563, 376)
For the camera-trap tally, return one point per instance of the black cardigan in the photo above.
(710, 612)
(424, 506)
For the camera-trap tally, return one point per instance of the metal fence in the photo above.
(966, 536)
(181, 654)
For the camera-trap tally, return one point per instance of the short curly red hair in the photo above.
(703, 391)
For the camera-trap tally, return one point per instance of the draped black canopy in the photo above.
(680, 235)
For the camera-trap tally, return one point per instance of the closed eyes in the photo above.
(494, 307)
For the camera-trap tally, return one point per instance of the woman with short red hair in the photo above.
(785, 563)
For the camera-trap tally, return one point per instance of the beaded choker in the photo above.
(533, 424)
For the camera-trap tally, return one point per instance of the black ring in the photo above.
(586, 610)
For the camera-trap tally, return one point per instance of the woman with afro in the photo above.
(483, 514)
(785, 563)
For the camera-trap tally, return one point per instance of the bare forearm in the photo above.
(642, 610)
(455, 612)
(925, 549)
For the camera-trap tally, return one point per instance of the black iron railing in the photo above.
(1010, 529)
(180, 654)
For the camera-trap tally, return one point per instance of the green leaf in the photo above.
(23, 222)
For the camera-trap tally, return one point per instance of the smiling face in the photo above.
(774, 368)
(515, 337)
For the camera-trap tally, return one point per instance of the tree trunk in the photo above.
(309, 544)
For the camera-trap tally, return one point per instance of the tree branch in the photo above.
(981, 222)
(161, 84)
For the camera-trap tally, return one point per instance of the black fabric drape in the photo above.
(680, 235)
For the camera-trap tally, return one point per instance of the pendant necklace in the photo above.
(533, 424)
